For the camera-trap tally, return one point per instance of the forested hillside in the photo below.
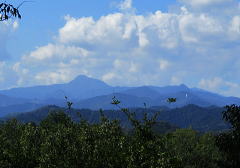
(58, 141)
(199, 118)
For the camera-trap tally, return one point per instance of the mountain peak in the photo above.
(81, 78)
(84, 79)
(87, 82)
(183, 86)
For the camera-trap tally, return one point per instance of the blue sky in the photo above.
(130, 43)
(42, 18)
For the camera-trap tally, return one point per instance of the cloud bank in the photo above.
(193, 45)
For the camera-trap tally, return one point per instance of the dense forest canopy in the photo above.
(58, 141)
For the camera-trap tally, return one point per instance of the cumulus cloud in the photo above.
(52, 51)
(160, 48)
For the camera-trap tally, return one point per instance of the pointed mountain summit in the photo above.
(79, 88)
(183, 86)
(83, 78)
(87, 82)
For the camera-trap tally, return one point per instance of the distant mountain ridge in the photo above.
(157, 96)
(199, 118)
(91, 93)
(7, 100)
(81, 87)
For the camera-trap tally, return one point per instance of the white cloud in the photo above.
(218, 84)
(126, 4)
(52, 77)
(122, 48)
(195, 28)
(234, 28)
(211, 84)
(55, 51)
(198, 3)
(163, 64)
(109, 76)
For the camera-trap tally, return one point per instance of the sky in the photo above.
(124, 43)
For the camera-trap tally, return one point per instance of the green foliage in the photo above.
(229, 142)
(232, 115)
(58, 141)
(171, 100)
(193, 150)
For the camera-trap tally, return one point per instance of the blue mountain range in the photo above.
(91, 93)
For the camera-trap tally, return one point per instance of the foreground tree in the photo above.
(8, 11)
(229, 142)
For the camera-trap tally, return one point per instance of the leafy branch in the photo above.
(142, 129)
(8, 11)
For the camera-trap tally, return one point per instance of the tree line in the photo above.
(57, 141)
